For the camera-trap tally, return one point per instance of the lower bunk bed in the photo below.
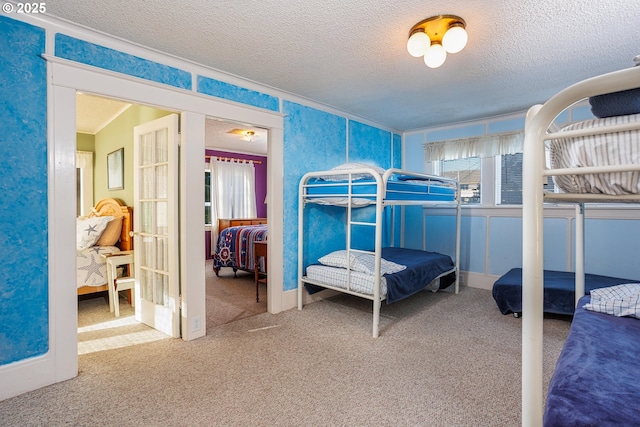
(559, 290)
(404, 273)
(595, 382)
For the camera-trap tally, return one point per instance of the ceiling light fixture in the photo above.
(245, 135)
(436, 36)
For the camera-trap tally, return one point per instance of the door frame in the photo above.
(67, 77)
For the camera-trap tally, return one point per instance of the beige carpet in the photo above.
(229, 297)
(441, 360)
(232, 298)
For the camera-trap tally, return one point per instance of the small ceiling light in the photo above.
(455, 39)
(435, 56)
(435, 36)
(245, 134)
(418, 44)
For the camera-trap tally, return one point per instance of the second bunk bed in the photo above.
(371, 267)
(592, 161)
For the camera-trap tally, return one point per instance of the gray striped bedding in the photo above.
(617, 148)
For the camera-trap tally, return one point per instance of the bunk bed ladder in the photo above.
(377, 224)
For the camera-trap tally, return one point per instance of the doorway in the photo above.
(104, 125)
(231, 290)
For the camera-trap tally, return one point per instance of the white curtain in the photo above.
(477, 146)
(233, 192)
(84, 162)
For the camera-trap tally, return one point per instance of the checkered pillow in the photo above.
(620, 300)
(361, 262)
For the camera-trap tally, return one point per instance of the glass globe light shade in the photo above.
(455, 39)
(435, 56)
(418, 43)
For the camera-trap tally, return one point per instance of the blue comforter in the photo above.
(597, 376)
(559, 290)
(422, 268)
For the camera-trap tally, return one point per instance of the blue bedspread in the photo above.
(235, 247)
(559, 290)
(422, 268)
(597, 376)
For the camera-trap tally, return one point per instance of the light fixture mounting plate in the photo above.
(436, 26)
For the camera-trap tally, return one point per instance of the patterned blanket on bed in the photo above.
(91, 268)
(235, 246)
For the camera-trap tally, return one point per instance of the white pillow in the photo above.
(89, 230)
(361, 262)
(620, 300)
(351, 166)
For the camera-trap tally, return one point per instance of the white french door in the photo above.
(155, 217)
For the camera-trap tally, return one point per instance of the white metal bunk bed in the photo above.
(539, 120)
(366, 186)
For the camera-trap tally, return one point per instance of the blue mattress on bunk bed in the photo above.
(595, 382)
(402, 189)
(559, 290)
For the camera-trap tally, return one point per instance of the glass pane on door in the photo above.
(153, 192)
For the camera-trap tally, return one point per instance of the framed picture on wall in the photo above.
(115, 170)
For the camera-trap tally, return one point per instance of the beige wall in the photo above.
(118, 134)
(85, 142)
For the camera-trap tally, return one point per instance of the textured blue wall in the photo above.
(109, 59)
(313, 140)
(24, 315)
(231, 92)
(368, 144)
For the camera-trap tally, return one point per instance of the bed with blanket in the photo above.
(559, 290)
(105, 230)
(597, 377)
(597, 160)
(234, 247)
(404, 272)
(365, 268)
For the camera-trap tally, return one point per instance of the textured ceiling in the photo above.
(93, 112)
(352, 54)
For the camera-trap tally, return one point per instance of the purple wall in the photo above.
(261, 187)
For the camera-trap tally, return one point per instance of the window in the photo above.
(509, 179)
(463, 158)
(468, 173)
(207, 197)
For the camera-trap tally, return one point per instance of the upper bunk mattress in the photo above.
(400, 190)
(614, 148)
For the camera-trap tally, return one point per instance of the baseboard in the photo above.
(290, 298)
(27, 375)
(478, 280)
